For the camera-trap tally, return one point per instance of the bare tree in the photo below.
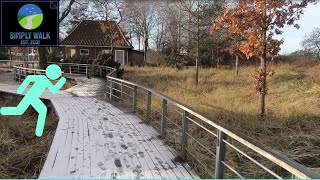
(139, 14)
(43, 51)
(311, 43)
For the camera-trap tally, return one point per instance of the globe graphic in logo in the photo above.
(30, 16)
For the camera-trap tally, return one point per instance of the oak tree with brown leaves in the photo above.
(258, 21)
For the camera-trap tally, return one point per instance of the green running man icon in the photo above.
(32, 97)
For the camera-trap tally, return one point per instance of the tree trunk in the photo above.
(145, 46)
(10, 55)
(197, 54)
(179, 31)
(139, 39)
(42, 51)
(237, 64)
(263, 90)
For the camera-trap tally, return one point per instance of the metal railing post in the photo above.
(163, 117)
(121, 91)
(184, 143)
(78, 69)
(220, 154)
(70, 69)
(100, 71)
(15, 73)
(111, 89)
(87, 70)
(19, 74)
(135, 92)
(148, 112)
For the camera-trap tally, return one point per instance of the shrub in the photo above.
(53, 58)
(108, 60)
(79, 59)
(178, 60)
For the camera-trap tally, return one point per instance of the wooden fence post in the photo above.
(163, 117)
(148, 112)
(220, 154)
(184, 143)
(135, 92)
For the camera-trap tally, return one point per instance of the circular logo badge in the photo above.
(30, 16)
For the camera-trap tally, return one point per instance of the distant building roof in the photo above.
(97, 33)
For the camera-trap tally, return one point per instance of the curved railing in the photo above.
(11, 63)
(213, 149)
(21, 71)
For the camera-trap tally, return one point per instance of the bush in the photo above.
(178, 60)
(79, 59)
(53, 58)
(108, 60)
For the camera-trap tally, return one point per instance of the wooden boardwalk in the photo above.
(94, 139)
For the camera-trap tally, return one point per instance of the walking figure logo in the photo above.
(32, 97)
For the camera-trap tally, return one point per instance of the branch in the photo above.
(66, 11)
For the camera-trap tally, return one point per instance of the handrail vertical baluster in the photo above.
(163, 117)
(184, 143)
(135, 92)
(220, 154)
(86, 69)
(111, 89)
(148, 112)
(121, 95)
(19, 74)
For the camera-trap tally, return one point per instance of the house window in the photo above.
(119, 56)
(106, 51)
(72, 52)
(84, 51)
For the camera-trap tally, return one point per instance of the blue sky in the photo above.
(30, 9)
(292, 36)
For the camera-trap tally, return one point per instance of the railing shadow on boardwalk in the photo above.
(213, 149)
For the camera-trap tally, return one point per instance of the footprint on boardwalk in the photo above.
(117, 162)
(137, 170)
(102, 166)
(141, 154)
(124, 146)
(114, 175)
(110, 135)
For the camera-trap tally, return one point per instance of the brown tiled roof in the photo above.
(96, 33)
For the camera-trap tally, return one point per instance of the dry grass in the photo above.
(293, 103)
(22, 154)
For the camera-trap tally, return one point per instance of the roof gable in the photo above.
(96, 33)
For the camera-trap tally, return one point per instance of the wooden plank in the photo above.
(168, 154)
(146, 150)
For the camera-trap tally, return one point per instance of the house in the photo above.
(24, 53)
(91, 37)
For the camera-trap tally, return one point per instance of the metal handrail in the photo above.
(20, 72)
(276, 157)
(223, 131)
